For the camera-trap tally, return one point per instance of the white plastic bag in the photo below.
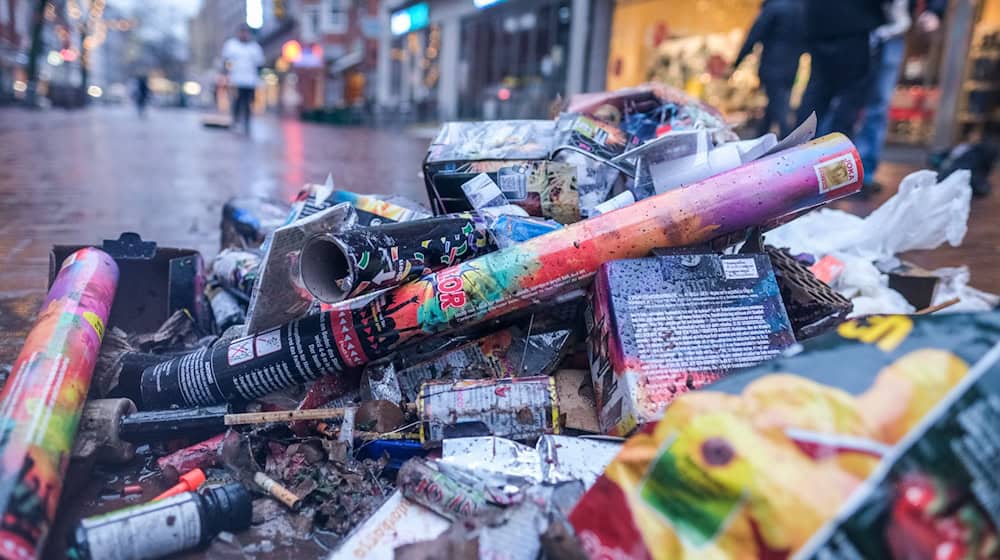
(923, 215)
(955, 284)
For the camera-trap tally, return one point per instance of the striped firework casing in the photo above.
(357, 331)
(44, 395)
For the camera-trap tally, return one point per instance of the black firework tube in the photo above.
(496, 284)
(341, 265)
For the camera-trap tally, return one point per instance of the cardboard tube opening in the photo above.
(326, 269)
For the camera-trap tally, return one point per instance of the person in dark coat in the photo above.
(887, 61)
(838, 39)
(141, 94)
(780, 28)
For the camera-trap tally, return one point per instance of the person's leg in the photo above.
(247, 108)
(780, 99)
(768, 119)
(853, 96)
(874, 126)
(235, 100)
(817, 95)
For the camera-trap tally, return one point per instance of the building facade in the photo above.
(489, 59)
(15, 33)
(340, 39)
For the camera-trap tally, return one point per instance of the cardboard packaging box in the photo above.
(662, 326)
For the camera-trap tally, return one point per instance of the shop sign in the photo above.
(409, 19)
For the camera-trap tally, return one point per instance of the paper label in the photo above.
(836, 173)
(268, 343)
(739, 269)
(240, 351)
(147, 531)
(482, 192)
(513, 184)
(95, 322)
(621, 201)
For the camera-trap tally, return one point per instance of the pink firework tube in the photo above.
(41, 403)
(357, 331)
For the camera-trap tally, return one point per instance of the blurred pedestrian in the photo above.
(870, 137)
(780, 28)
(141, 94)
(242, 59)
(838, 35)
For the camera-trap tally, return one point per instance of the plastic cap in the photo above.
(194, 478)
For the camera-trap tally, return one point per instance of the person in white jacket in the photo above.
(241, 59)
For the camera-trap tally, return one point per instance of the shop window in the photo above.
(310, 22)
(335, 16)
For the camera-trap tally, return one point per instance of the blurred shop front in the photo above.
(489, 59)
(689, 45)
(948, 88)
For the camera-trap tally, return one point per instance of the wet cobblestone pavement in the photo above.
(84, 176)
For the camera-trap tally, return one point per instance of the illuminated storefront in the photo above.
(489, 59)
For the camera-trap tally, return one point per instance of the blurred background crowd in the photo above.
(916, 73)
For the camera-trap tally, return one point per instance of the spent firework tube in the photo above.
(337, 266)
(41, 403)
(420, 481)
(360, 330)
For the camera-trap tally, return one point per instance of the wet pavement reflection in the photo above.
(83, 176)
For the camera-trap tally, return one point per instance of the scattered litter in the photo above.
(359, 376)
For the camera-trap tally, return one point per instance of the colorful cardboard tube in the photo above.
(337, 266)
(41, 403)
(357, 331)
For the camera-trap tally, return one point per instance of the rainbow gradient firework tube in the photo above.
(357, 331)
(41, 403)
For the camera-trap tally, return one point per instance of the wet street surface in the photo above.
(84, 176)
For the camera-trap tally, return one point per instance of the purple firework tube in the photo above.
(337, 266)
(41, 403)
(357, 331)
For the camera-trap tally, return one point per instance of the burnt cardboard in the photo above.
(153, 282)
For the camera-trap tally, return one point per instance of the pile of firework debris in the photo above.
(585, 348)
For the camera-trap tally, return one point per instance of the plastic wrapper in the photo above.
(510, 230)
(237, 270)
(589, 145)
(759, 462)
(524, 349)
(515, 154)
(553, 460)
(924, 214)
(247, 220)
(370, 210)
(524, 139)
(518, 408)
(661, 326)
(644, 109)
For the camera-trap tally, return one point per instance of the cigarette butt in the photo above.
(277, 491)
